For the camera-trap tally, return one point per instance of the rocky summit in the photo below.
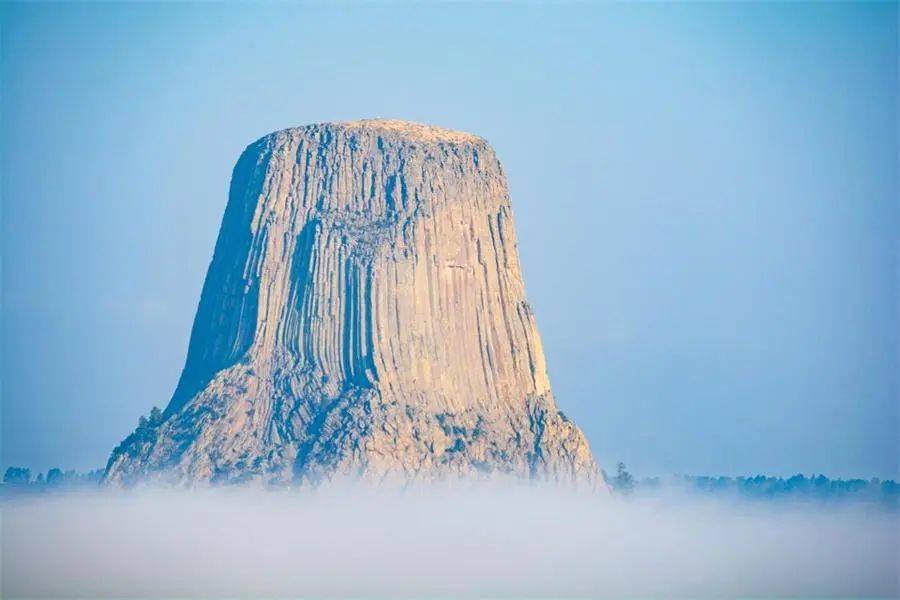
(364, 316)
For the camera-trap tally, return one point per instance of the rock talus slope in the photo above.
(364, 314)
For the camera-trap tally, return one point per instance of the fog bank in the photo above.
(439, 543)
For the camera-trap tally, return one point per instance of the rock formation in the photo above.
(364, 315)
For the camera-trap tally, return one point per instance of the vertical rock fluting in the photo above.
(364, 315)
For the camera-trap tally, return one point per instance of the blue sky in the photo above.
(706, 197)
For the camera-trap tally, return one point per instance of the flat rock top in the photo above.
(406, 129)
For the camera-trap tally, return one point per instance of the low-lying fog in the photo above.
(444, 542)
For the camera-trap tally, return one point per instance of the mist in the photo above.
(440, 542)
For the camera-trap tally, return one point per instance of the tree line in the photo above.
(761, 486)
(622, 483)
(22, 477)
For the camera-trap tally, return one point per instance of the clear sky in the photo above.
(706, 198)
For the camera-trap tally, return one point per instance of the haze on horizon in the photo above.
(449, 542)
(706, 198)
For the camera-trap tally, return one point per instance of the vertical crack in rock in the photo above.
(364, 314)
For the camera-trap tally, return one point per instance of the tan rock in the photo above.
(364, 315)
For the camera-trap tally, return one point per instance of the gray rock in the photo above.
(364, 315)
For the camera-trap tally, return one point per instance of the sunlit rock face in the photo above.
(364, 315)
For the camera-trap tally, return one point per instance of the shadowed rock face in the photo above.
(364, 315)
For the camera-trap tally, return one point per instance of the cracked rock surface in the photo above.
(364, 315)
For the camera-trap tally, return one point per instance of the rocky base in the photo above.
(355, 434)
